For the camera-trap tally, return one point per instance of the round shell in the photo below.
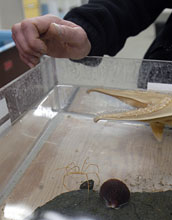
(115, 193)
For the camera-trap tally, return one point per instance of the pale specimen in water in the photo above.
(73, 169)
(152, 107)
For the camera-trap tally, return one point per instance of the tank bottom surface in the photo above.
(88, 205)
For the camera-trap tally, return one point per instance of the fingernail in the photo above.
(34, 61)
(43, 51)
(30, 65)
(58, 27)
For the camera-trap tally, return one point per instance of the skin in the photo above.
(49, 35)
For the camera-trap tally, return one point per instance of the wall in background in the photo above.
(58, 7)
(11, 11)
(31, 8)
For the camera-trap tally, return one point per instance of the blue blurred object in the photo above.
(44, 9)
(7, 46)
(6, 40)
(5, 35)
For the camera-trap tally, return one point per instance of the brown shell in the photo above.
(115, 193)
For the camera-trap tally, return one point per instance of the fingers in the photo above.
(27, 41)
(32, 37)
(66, 41)
(75, 39)
(68, 34)
(49, 35)
(30, 61)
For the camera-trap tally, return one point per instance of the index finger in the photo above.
(32, 37)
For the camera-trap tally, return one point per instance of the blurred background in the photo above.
(13, 11)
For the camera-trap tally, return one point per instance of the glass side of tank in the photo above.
(68, 149)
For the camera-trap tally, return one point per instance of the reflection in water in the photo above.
(21, 212)
(16, 212)
(57, 216)
(45, 112)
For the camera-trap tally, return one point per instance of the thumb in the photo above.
(66, 33)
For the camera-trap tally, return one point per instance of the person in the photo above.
(98, 28)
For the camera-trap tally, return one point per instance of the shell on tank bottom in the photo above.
(115, 193)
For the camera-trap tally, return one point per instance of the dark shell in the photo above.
(87, 185)
(115, 193)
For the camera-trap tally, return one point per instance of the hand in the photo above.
(49, 35)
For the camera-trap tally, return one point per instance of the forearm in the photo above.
(108, 23)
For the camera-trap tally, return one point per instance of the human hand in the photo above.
(49, 35)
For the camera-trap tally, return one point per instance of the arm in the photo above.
(97, 28)
(108, 23)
